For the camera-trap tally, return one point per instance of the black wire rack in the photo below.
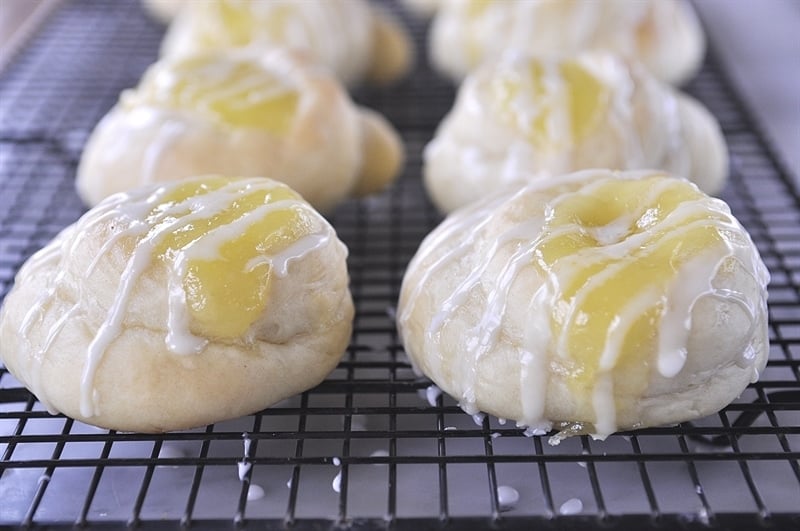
(372, 447)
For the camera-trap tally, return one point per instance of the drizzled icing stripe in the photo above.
(208, 80)
(136, 218)
(619, 249)
(473, 216)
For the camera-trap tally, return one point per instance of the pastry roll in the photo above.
(590, 303)
(237, 114)
(353, 40)
(528, 117)
(178, 305)
(664, 35)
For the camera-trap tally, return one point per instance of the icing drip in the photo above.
(507, 497)
(432, 394)
(336, 483)
(186, 226)
(571, 506)
(621, 264)
(254, 492)
(477, 217)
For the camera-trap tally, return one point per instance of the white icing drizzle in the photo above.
(246, 442)
(694, 281)
(477, 217)
(254, 492)
(336, 484)
(507, 497)
(605, 409)
(243, 468)
(296, 251)
(241, 80)
(620, 325)
(432, 394)
(618, 247)
(571, 506)
(133, 216)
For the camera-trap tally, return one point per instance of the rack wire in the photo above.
(396, 459)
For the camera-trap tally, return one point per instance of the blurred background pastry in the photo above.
(356, 41)
(525, 117)
(275, 114)
(664, 35)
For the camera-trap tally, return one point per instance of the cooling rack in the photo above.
(373, 447)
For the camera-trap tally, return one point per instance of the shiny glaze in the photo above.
(622, 262)
(205, 232)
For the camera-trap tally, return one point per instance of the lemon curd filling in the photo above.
(617, 252)
(551, 106)
(231, 92)
(226, 285)
(585, 284)
(218, 244)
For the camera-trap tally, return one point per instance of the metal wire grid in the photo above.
(402, 463)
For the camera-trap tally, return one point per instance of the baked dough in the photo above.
(665, 35)
(180, 305)
(236, 114)
(593, 302)
(528, 117)
(353, 40)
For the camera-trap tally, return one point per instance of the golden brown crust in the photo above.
(393, 53)
(383, 154)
